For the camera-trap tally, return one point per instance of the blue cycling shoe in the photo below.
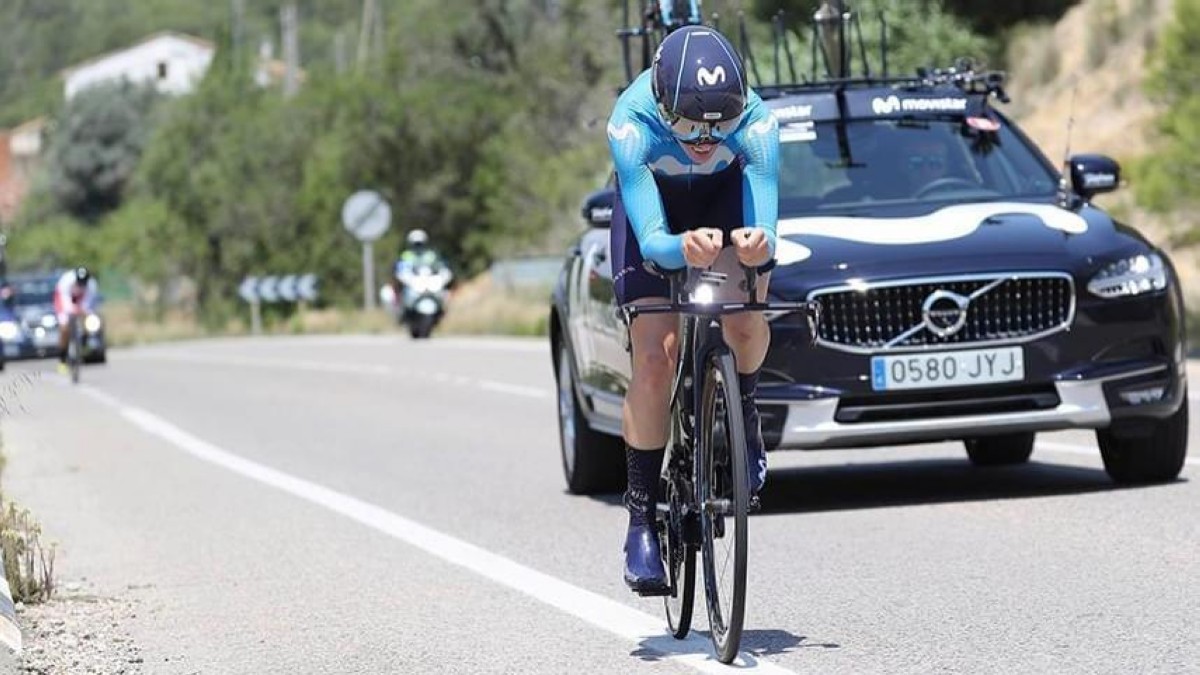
(756, 453)
(644, 572)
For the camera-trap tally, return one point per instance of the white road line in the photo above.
(1091, 451)
(353, 368)
(504, 388)
(642, 629)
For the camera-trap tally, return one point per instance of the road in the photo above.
(378, 505)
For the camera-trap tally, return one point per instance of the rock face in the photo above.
(1098, 53)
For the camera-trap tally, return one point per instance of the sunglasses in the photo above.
(694, 132)
(927, 162)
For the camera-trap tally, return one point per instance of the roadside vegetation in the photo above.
(28, 560)
(484, 127)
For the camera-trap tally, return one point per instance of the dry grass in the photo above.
(477, 307)
(480, 307)
(28, 563)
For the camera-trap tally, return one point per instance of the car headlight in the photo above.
(92, 323)
(9, 330)
(1131, 276)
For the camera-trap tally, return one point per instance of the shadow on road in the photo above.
(913, 482)
(755, 644)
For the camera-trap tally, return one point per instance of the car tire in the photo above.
(1003, 450)
(1156, 457)
(593, 462)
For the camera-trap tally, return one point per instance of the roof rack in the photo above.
(835, 35)
(655, 20)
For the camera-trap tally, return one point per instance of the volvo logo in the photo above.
(945, 313)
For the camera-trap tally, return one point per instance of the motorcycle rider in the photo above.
(416, 254)
(75, 294)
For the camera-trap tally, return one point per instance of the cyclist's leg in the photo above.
(653, 345)
(64, 337)
(746, 333)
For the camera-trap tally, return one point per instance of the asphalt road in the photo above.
(376, 505)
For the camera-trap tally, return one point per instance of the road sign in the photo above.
(287, 288)
(267, 289)
(249, 289)
(307, 287)
(366, 215)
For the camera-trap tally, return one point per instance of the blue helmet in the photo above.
(699, 84)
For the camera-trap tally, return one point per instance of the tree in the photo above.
(95, 146)
(920, 34)
(1165, 180)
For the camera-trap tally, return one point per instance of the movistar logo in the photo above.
(893, 104)
(622, 132)
(708, 78)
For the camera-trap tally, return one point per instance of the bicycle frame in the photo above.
(690, 517)
(74, 345)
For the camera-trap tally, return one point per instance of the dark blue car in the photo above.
(968, 291)
(29, 325)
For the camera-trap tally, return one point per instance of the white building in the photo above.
(173, 62)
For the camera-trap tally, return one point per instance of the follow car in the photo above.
(967, 291)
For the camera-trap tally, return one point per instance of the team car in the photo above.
(29, 325)
(967, 291)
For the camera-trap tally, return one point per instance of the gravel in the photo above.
(78, 631)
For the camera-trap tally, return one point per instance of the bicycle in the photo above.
(705, 486)
(74, 346)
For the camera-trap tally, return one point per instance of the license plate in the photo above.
(947, 369)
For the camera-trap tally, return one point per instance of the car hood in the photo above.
(33, 313)
(956, 239)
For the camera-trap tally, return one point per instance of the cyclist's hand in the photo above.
(750, 244)
(701, 246)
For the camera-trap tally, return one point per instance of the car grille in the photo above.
(892, 315)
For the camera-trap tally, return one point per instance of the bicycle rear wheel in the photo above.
(679, 559)
(723, 493)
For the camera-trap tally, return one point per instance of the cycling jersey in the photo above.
(69, 298)
(647, 155)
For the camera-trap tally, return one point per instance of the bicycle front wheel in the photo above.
(723, 493)
(75, 350)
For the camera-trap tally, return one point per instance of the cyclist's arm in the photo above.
(630, 142)
(758, 139)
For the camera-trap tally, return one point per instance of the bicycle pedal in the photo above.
(656, 592)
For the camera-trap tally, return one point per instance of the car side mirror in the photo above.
(598, 207)
(1094, 174)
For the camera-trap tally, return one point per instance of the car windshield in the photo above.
(863, 166)
(33, 292)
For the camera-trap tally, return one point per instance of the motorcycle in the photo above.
(422, 302)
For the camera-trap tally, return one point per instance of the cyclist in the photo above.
(74, 294)
(696, 155)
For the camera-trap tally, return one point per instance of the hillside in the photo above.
(1097, 53)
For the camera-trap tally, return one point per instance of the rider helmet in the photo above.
(699, 84)
(416, 238)
(82, 275)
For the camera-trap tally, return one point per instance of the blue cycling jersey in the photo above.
(644, 150)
